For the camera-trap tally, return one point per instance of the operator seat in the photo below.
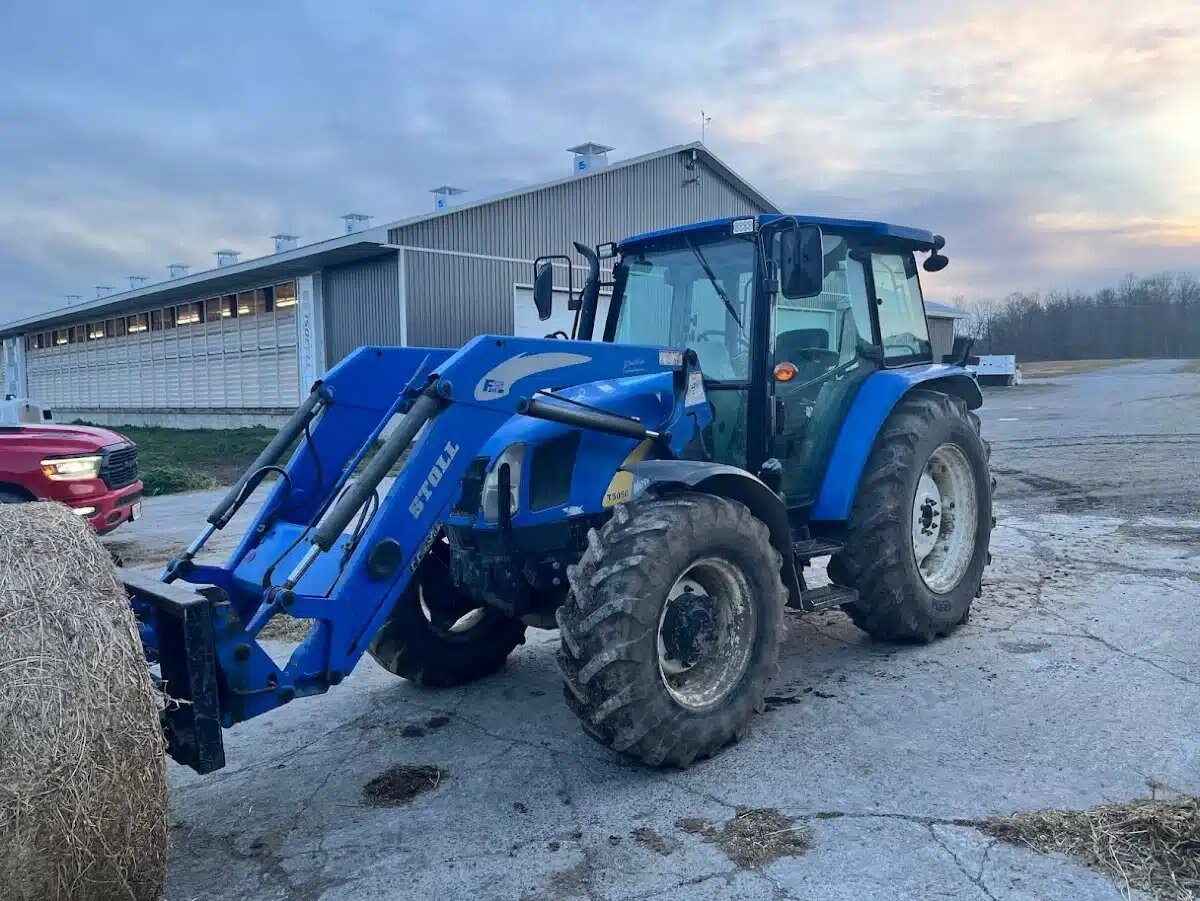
(789, 344)
(788, 347)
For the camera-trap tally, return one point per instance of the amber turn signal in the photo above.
(785, 372)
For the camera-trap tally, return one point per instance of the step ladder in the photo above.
(825, 597)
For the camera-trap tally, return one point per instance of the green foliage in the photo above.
(175, 460)
(170, 479)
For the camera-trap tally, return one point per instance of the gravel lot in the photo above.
(1074, 684)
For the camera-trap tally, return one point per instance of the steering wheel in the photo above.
(559, 334)
(739, 360)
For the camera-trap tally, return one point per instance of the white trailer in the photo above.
(997, 369)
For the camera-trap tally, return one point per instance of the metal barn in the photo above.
(238, 344)
(235, 345)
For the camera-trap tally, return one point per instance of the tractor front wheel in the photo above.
(438, 635)
(917, 539)
(671, 632)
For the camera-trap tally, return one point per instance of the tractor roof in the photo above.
(915, 238)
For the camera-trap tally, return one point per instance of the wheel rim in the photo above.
(706, 633)
(449, 612)
(443, 623)
(944, 515)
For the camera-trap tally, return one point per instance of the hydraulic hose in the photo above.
(270, 455)
(360, 491)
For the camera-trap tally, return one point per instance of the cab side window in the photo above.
(902, 325)
(829, 327)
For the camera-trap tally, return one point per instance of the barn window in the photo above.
(285, 295)
(190, 313)
(95, 331)
(137, 323)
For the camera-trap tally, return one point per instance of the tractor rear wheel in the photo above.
(438, 635)
(671, 631)
(917, 539)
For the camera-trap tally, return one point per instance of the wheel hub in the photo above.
(706, 633)
(690, 627)
(927, 516)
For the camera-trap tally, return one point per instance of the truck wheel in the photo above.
(439, 636)
(917, 539)
(671, 631)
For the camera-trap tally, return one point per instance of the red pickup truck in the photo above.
(93, 471)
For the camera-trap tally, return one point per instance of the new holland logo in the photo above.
(498, 381)
(425, 492)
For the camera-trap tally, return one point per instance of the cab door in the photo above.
(822, 349)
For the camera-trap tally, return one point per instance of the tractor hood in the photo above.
(562, 470)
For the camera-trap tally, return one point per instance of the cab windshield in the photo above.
(692, 293)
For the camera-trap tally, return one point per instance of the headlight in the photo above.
(64, 469)
(513, 455)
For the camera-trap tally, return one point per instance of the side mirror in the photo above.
(936, 261)
(543, 288)
(801, 262)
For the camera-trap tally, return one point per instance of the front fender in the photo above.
(729, 482)
(872, 406)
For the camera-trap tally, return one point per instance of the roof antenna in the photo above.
(704, 120)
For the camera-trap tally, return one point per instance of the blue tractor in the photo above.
(738, 398)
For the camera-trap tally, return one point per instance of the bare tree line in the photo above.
(1157, 316)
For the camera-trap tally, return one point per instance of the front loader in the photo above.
(760, 393)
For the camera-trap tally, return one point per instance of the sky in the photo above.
(1055, 145)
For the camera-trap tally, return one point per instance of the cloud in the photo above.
(1053, 144)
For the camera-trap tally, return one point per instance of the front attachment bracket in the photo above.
(177, 629)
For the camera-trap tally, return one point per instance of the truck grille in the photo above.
(119, 466)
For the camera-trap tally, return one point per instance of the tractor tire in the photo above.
(903, 596)
(8, 497)
(438, 636)
(644, 583)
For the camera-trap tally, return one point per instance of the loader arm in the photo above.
(341, 551)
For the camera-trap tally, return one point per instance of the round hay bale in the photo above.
(83, 794)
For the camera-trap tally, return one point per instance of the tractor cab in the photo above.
(787, 316)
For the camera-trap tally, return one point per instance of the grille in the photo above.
(119, 466)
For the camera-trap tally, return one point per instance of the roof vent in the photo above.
(178, 270)
(356, 222)
(444, 196)
(589, 156)
(102, 290)
(136, 281)
(285, 242)
(226, 257)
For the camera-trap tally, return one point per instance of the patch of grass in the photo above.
(168, 478)
(1044, 369)
(1192, 366)
(175, 460)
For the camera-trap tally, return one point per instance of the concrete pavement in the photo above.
(1076, 682)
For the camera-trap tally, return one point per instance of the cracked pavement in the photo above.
(1074, 684)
